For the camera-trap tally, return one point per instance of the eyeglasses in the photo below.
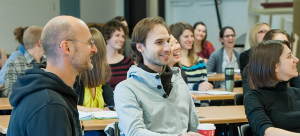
(227, 36)
(92, 43)
(262, 31)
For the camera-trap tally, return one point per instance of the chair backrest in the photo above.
(239, 99)
(246, 130)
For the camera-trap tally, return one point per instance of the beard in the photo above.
(81, 63)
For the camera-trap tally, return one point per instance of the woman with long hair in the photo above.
(93, 89)
(203, 47)
(190, 63)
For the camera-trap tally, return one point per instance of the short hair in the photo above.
(101, 71)
(177, 30)
(253, 34)
(119, 18)
(204, 40)
(19, 32)
(270, 34)
(31, 36)
(56, 31)
(262, 62)
(141, 31)
(110, 27)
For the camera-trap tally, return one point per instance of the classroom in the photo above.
(149, 67)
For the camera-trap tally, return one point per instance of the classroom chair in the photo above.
(246, 130)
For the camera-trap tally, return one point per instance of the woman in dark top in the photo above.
(256, 35)
(114, 35)
(272, 108)
(93, 88)
(274, 34)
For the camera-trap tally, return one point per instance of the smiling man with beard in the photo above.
(154, 99)
(44, 102)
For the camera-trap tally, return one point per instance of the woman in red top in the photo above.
(114, 35)
(203, 47)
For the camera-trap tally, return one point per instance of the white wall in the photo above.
(16, 13)
(100, 11)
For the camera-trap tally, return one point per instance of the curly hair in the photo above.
(110, 27)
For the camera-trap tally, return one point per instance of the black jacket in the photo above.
(43, 105)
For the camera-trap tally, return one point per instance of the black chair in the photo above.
(246, 130)
(239, 99)
(114, 131)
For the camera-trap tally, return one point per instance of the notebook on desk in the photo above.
(97, 115)
(213, 92)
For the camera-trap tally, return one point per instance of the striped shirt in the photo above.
(119, 71)
(196, 74)
(15, 67)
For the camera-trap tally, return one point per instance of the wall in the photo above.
(192, 11)
(100, 11)
(16, 13)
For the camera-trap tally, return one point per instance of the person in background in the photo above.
(114, 35)
(203, 47)
(226, 57)
(33, 55)
(154, 99)
(18, 32)
(256, 35)
(93, 89)
(3, 57)
(274, 34)
(175, 58)
(192, 64)
(127, 49)
(272, 108)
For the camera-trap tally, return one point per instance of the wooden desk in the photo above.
(221, 77)
(212, 114)
(238, 90)
(4, 120)
(4, 104)
(222, 114)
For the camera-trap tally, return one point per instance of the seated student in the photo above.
(272, 108)
(274, 34)
(203, 47)
(114, 35)
(33, 55)
(43, 99)
(256, 35)
(19, 52)
(94, 91)
(226, 57)
(193, 65)
(127, 49)
(154, 99)
(175, 57)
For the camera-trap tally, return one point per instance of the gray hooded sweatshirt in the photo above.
(143, 111)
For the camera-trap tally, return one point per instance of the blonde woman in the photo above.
(256, 35)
